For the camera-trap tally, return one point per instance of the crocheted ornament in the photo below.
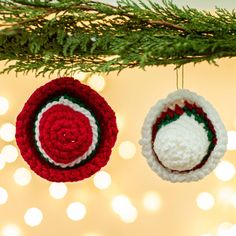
(183, 138)
(66, 131)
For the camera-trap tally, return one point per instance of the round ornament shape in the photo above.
(183, 137)
(66, 131)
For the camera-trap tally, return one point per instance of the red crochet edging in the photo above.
(25, 125)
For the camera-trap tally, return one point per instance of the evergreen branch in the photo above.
(68, 35)
(167, 24)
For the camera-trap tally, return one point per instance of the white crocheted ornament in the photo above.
(183, 137)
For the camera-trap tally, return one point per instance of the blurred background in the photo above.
(125, 198)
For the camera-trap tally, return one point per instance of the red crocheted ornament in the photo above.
(66, 131)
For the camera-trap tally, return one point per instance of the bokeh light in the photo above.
(122, 206)
(7, 132)
(127, 150)
(96, 82)
(225, 194)
(4, 105)
(231, 140)
(224, 229)
(58, 190)
(152, 201)
(205, 201)
(225, 171)
(233, 230)
(76, 211)
(2, 162)
(33, 217)
(3, 196)
(9, 153)
(130, 215)
(22, 176)
(11, 230)
(91, 234)
(81, 76)
(119, 203)
(102, 180)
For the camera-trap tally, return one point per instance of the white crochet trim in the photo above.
(178, 97)
(75, 107)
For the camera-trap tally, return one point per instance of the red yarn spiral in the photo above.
(65, 134)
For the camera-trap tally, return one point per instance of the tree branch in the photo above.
(167, 24)
(65, 34)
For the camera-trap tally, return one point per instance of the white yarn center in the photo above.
(182, 144)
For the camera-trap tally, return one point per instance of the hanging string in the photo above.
(182, 78)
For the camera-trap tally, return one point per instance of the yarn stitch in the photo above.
(160, 148)
(91, 121)
(66, 131)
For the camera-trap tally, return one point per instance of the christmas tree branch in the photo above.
(72, 35)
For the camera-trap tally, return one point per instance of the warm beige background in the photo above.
(131, 94)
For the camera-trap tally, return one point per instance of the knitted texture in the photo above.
(66, 131)
(183, 137)
(182, 144)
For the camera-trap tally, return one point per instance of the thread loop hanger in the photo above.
(180, 81)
